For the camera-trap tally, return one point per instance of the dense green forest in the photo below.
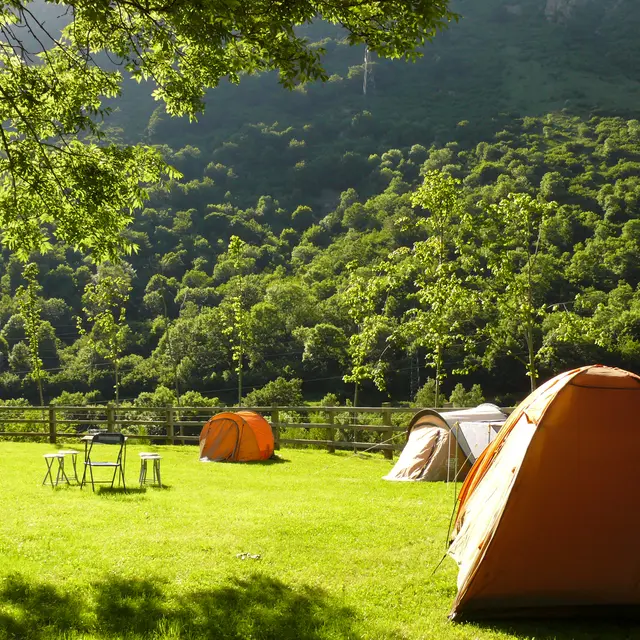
(299, 246)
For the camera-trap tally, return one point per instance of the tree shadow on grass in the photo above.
(257, 606)
(30, 611)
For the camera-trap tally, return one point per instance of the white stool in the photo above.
(144, 458)
(50, 459)
(74, 454)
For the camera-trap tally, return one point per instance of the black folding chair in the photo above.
(117, 465)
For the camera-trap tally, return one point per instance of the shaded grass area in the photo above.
(342, 554)
(258, 606)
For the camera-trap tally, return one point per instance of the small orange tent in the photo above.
(236, 437)
(547, 513)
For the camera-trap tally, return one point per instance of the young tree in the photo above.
(365, 301)
(105, 309)
(517, 279)
(437, 271)
(30, 308)
(56, 181)
(237, 322)
(159, 291)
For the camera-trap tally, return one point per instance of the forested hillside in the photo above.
(504, 59)
(298, 245)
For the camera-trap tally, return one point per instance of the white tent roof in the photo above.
(477, 427)
(486, 412)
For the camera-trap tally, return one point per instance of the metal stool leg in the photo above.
(49, 462)
(75, 468)
(143, 471)
(61, 472)
(156, 468)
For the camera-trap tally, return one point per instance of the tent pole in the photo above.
(455, 467)
(449, 454)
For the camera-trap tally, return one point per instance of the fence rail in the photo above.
(344, 427)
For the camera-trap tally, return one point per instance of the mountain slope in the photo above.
(504, 59)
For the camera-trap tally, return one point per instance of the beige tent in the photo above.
(443, 446)
(548, 515)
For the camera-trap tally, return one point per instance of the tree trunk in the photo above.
(172, 355)
(174, 364)
(531, 364)
(354, 417)
(240, 378)
(177, 386)
(529, 329)
(117, 385)
(438, 368)
(39, 381)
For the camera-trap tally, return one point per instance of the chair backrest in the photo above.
(108, 438)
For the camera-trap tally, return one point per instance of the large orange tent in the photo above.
(241, 436)
(548, 513)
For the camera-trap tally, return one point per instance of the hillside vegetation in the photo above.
(294, 244)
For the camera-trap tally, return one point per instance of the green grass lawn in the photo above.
(343, 554)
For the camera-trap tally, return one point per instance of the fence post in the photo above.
(111, 418)
(330, 431)
(386, 420)
(52, 424)
(275, 426)
(170, 432)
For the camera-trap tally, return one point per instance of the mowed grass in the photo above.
(343, 554)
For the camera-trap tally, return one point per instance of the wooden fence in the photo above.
(329, 427)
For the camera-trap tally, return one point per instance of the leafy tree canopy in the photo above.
(59, 177)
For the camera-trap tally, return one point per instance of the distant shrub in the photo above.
(460, 397)
(13, 417)
(426, 395)
(75, 398)
(161, 397)
(330, 400)
(279, 391)
(196, 399)
(156, 401)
